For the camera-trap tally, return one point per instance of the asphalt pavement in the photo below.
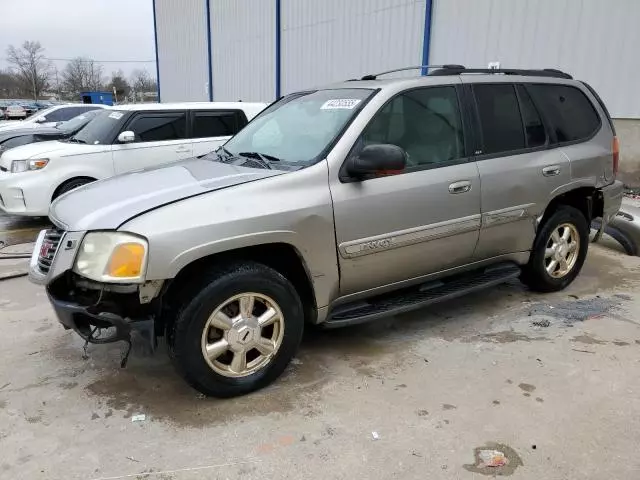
(552, 382)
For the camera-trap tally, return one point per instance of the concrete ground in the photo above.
(552, 381)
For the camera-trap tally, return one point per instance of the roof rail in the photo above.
(417, 67)
(546, 72)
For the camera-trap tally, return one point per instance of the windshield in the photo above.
(76, 123)
(299, 128)
(45, 112)
(100, 129)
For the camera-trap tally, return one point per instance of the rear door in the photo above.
(160, 138)
(212, 128)
(520, 167)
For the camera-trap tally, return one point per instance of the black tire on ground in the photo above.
(70, 185)
(220, 284)
(534, 274)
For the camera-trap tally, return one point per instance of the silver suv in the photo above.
(336, 206)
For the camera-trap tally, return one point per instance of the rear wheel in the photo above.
(239, 332)
(559, 251)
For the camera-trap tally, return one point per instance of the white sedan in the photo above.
(15, 111)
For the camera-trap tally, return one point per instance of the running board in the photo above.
(420, 296)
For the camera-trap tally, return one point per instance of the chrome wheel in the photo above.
(243, 335)
(561, 253)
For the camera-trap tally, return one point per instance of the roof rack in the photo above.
(416, 67)
(545, 72)
(440, 70)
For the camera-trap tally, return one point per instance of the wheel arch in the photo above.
(57, 190)
(283, 257)
(586, 199)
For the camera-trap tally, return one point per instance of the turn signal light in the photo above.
(126, 260)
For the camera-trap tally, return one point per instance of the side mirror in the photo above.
(41, 119)
(377, 159)
(126, 137)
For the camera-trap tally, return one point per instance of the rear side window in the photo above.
(64, 114)
(214, 124)
(570, 113)
(500, 120)
(535, 133)
(158, 127)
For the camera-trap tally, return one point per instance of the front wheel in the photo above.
(559, 251)
(239, 332)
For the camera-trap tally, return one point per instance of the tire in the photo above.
(535, 274)
(70, 185)
(187, 339)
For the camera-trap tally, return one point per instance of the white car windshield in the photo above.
(100, 129)
(298, 129)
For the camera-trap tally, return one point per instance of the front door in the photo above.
(160, 138)
(422, 220)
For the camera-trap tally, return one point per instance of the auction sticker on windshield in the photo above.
(116, 115)
(340, 103)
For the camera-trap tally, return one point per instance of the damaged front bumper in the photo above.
(101, 315)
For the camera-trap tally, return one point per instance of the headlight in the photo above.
(112, 257)
(18, 166)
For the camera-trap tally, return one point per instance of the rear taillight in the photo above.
(616, 155)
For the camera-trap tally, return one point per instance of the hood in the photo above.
(107, 204)
(18, 125)
(18, 132)
(45, 150)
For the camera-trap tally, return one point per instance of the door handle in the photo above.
(551, 171)
(462, 186)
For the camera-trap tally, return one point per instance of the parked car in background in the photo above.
(337, 206)
(131, 137)
(52, 115)
(17, 137)
(30, 108)
(14, 112)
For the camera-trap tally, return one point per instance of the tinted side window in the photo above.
(57, 115)
(211, 124)
(533, 126)
(425, 122)
(500, 120)
(153, 128)
(570, 112)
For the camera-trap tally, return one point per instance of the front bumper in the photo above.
(25, 194)
(83, 320)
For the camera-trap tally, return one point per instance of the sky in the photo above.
(100, 29)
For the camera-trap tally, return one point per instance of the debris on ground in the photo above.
(573, 311)
(141, 417)
(375, 435)
(492, 458)
(544, 323)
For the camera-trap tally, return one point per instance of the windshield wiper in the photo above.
(261, 156)
(76, 140)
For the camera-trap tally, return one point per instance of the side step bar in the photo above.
(417, 297)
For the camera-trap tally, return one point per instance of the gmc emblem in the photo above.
(45, 248)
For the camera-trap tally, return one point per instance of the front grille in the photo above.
(48, 249)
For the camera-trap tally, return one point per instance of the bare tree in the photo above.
(82, 74)
(10, 85)
(30, 66)
(119, 85)
(141, 81)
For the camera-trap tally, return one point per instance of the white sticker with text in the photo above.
(116, 115)
(340, 103)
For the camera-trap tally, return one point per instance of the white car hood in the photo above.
(45, 150)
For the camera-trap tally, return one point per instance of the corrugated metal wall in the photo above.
(183, 59)
(243, 50)
(333, 40)
(594, 40)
